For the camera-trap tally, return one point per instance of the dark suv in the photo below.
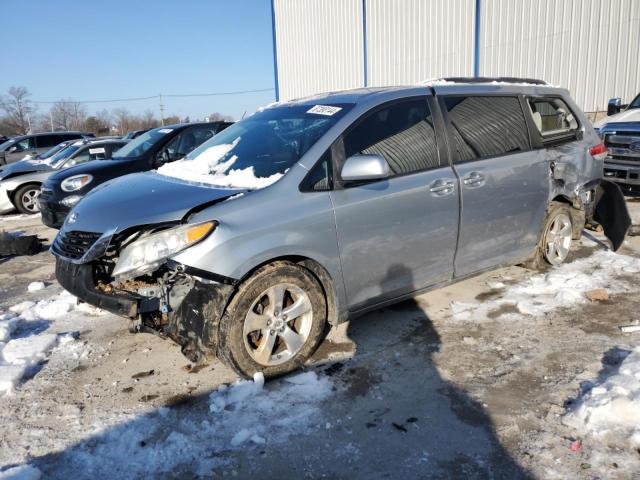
(150, 150)
(33, 145)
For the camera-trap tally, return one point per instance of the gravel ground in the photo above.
(411, 391)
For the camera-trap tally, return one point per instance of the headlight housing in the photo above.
(76, 182)
(147, 253)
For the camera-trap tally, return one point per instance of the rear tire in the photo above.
(554, 244)
(26, 199)
(275, 321)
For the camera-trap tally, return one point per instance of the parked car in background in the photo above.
(20, 182)
(135, 134)
(146, 152)
(311, 211)
(18, 147)
(3, 138)
(620, 132)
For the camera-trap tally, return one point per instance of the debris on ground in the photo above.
(16, 244)
(633, 327)
(575, 446)
(597, 295)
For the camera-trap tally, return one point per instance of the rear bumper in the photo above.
(622, 173)
(6, 205)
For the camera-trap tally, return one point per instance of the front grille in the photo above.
(618, 143)
(74, 245)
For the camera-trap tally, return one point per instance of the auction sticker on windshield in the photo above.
(166, 130)
(93, 151)
(324, 110)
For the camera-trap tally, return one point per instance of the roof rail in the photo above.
(531, 81)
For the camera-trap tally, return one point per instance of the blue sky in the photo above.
(104, 50)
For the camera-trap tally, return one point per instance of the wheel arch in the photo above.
(327, 283)
(578, 215)
(12, 193)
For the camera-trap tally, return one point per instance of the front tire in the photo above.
(275, 321)
(26, 199)
(554, 245)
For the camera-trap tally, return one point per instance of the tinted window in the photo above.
(552, 116)
(188, 140)
(402, 133)
(486, 126)
(47, 141)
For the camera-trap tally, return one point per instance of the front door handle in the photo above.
(474, 179)
(441, 187)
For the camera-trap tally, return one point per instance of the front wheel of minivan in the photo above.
(555, 240)
(275, 321)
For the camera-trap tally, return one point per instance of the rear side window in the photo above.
(552, 116)
(48, 141)
(486, 126)
(402, 133)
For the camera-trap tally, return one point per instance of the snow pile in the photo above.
(35, 286)
(239, 416)
(563, 286)
(211, 167)
(19, 356)
(23, 472)
(613, 406)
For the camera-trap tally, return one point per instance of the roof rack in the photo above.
(531, 81)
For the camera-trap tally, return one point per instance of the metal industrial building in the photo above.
(591, 47)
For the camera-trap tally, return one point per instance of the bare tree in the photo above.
(219, 117)
(149, 120)
(68, 115)
(123, 120)
(17, 110)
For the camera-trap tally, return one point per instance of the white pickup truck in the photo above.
(620, 132)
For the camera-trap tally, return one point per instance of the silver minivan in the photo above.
(312, 211)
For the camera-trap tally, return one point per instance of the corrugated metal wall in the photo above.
(413, 40)
(319, 46)
(591, 47)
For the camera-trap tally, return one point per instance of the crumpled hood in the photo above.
(627, 116)
(22, 167)
(141, 199)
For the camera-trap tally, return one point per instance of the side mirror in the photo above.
(365, 167)
(614, 106)
(162, 157)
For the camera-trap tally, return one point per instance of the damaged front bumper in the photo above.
(187, 308)
(611, 212)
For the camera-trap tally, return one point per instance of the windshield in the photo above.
(62, 155)
(141, 144)
(634, 104)
(257, 151)
(52, 151)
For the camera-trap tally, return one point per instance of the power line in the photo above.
(155, 97)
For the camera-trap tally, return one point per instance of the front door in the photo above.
(504, 184)
(399, 234)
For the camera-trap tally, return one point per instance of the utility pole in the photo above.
(161, 110)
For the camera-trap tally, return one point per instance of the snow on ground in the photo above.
(212, 167)
(609, 412)
(25, 339)
(240, 416)
(23, 472)
(563, 286)
(35, 286)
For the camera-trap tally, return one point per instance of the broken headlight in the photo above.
(147, 253)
